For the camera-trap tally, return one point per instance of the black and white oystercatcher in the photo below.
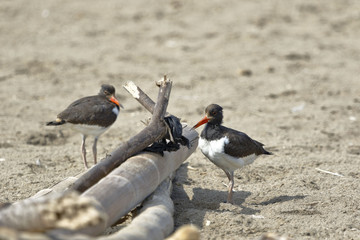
(91, 115)
(225, 147)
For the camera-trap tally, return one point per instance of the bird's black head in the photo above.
(109, 92)
(213, 115)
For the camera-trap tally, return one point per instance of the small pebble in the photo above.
(352, 118)
(245, 72)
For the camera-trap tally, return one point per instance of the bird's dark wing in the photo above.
(90, 110)
(242, 145)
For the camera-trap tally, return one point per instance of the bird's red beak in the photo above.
(201, 122)
(114, 100)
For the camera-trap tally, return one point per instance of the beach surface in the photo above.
(285, 72)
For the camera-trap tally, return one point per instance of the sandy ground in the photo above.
(286, 73)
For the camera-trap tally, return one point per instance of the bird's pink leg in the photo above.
(83, 151)
(231, 186)
(95, 150)
(230, 176)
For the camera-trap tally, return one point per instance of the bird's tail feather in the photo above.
(56, 122)
(267, 152)
(264, 151)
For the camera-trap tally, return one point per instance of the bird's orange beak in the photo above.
(201, 122)
(114, 100)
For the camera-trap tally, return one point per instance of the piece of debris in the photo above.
(298, 56)
(172, 141)
(38, 162)
(192, 168)
(298, 108)
(352, 118)
(328, 172)
(286, 93)
(245, 72)
(270, 69)
(272, 236)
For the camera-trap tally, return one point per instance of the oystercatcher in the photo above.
(225, 147)
(91, 115)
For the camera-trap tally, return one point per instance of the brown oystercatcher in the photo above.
(91, 115)
(225, 147)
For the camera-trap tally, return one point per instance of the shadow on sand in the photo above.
(193, 210)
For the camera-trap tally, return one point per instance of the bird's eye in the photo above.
(106, 92)
(213, 113)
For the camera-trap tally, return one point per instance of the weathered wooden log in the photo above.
(155, 220)
(69, 211)
(128, 185)
(155, 131)
(158, 207)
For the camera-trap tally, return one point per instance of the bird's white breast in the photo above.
(214, 150)
(214, 147)
(116, 111)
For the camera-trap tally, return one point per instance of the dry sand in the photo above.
(286, 72)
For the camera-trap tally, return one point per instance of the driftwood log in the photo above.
(157, 209)
(128, 185)
(155, 220)
(115, 195)
(69, 211)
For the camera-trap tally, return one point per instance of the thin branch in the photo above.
(140, 96)
(163, 99)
